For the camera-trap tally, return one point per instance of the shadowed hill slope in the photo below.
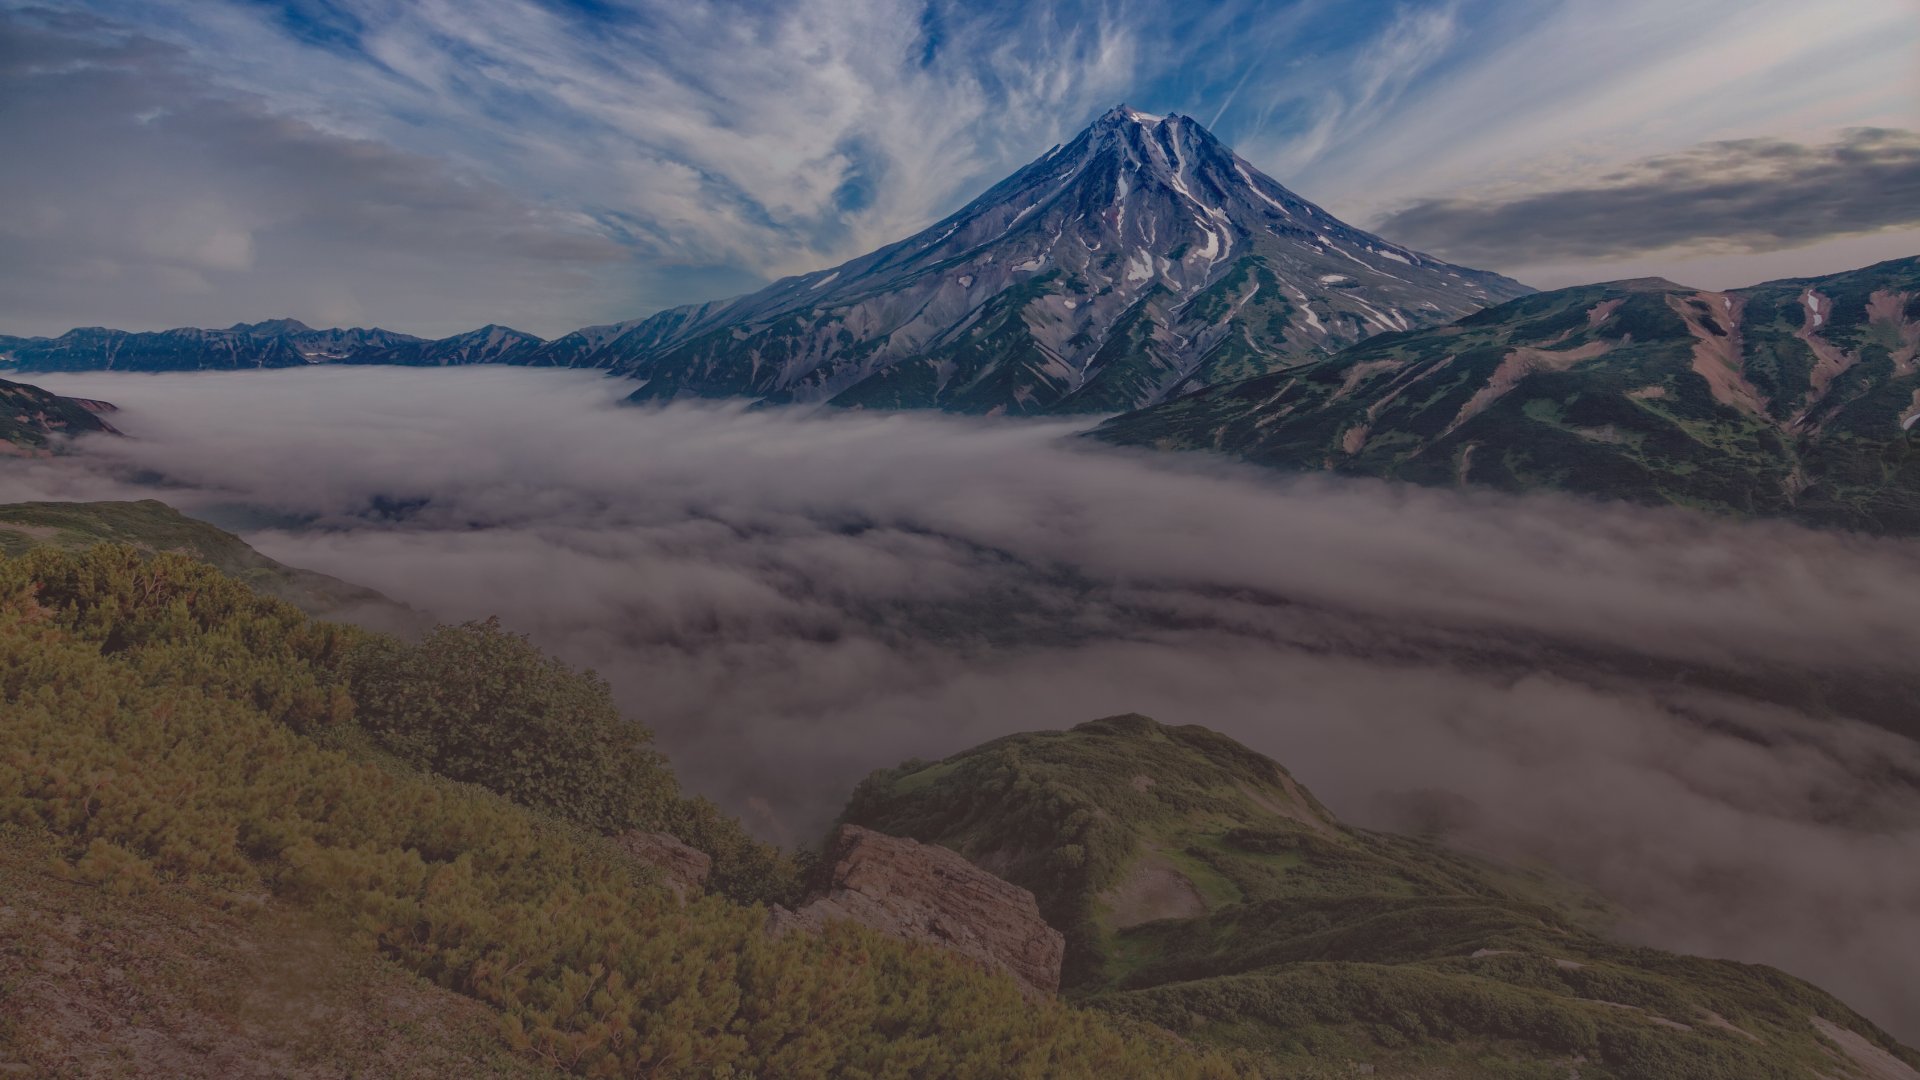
(32, 419)
(1796, 399)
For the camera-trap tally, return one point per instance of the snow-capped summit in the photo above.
(1138, 260)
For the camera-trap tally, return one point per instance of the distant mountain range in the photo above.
(1141, 260)
(276, 343)
(1796, 398)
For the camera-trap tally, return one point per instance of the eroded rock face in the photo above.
(684, 868)
(922, 892)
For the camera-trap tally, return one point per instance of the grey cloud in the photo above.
(1746, 195)
(139, 192)
(793, 600)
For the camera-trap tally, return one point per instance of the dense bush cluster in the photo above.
(167, 725)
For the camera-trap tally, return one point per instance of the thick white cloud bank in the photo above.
(1649, 700)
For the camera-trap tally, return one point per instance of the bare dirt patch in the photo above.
(1358, 372)
(1519, 364)
(1889, 309)
(1661, 1020)
(1297, 807)
(1153, 888)
(1714, 1019)
(1871, 1061)
(1465, 467)
(1829, 359)
(1720, 358)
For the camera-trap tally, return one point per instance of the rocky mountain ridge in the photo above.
(273, 343)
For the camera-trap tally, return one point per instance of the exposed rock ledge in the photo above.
(922, 892)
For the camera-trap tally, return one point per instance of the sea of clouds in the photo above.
(1699, 718)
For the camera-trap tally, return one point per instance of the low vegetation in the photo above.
(204, 790)
(152, 526)
(169, 731)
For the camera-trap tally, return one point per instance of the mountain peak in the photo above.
(1142, 259)
(272, 326)
(1124, 113)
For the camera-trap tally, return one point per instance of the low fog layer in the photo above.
(1650, 700)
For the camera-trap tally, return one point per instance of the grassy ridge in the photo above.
(151, 525)
(1282, 932)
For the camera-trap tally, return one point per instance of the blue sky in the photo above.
(436, 164)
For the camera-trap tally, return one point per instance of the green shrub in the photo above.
(137, 731)
(482, 705)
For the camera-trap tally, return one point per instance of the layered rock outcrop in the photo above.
(922, 892)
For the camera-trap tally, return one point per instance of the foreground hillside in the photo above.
(1793, 398)
(175, 738)
(1203, 889)
(237, 841)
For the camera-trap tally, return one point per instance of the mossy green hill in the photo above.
(1203, 889)
(1797, 398)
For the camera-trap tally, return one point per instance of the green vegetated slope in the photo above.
(432, 813)
(1202, 889)
(153, 526)
(32, 419)
(1796, 398)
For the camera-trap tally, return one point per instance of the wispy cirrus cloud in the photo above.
(131, 185)
(717, 145)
